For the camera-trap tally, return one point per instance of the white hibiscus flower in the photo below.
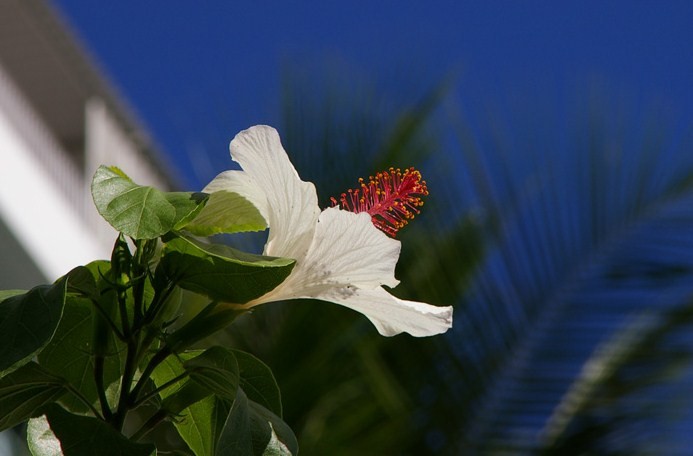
(341, 256)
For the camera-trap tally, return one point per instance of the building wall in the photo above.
(41, 192)
(59, 120)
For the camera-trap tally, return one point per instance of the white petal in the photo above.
(391, 315)
(292, 203)
(348, 249)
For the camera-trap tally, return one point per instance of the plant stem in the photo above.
(108, 320)
(158, 303)
(122, 305)
(124, 402)
(139, 277)
(157, 359)
(159, 389)
(98, 379)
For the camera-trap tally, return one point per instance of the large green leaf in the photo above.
(212, 372)
(82, 279)
(138, 211)
(188, 206)
(270, 433)
(258, 382)
(28, 322)
(252, 430)
(226, 212)
(220, 272)
(88, 436)
(217, 370)
(25, 391)
(236, 436)
(71, 351)
(200, 423)
(189, 394)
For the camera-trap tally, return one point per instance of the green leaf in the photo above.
(82, 281)
(87, 436)
(190, 393)
(227, 212)
(188, 205)
(200, 423)
(83, 333)
(137, 211)
(28, 322)
(220, 272)
(40, 438)
(251, 429)
(258, 382)
(217, 370)
(271, 434)
(70, 353)
(26, 390)
(236, 436)
(207, 321)
(5, 294)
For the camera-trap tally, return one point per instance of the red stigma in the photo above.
(392, 198)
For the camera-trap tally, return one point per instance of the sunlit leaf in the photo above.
(41, 440)
(137, 211)
(188, 205)
(226, 212)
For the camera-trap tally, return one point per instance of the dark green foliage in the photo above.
(27, 323)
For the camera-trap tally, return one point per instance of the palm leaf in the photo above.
(585, 234)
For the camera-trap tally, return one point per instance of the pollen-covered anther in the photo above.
(392, 198)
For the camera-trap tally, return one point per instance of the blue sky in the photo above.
(198, 72)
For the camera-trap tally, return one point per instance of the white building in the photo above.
(59, 120)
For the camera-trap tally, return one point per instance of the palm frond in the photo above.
(584, 235)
